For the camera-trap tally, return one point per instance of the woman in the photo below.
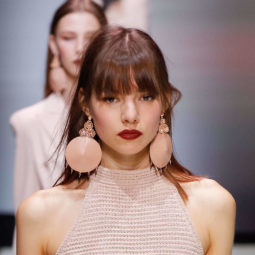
(36, 127)
(129, 195)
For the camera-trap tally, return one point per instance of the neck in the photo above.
(114, 160)
(71, 83)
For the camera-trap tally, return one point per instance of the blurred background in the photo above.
(209, 49)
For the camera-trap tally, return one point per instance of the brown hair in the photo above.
(71, 6)
(116, 57)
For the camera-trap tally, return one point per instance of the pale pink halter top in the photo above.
(131, 212)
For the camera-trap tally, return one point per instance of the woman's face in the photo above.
(126, 124)
(73, 32)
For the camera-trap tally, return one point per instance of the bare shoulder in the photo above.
(213, 209)
(47, 202)
(33, 221)
(44, 218)
(210, 193)
(35, 209)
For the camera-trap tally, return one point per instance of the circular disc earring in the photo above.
(83, 153)
(161, 146)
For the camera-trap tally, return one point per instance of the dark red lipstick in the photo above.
(130, 134)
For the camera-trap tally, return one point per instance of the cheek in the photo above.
(152, 119)
(104, 123)
(66, 52)
(153, 125)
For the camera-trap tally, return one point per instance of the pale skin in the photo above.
(44, 218)
(72, 35)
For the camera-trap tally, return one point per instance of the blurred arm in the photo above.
(25, 178)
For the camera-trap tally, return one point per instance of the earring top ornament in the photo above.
(88, 129)
(163, 127)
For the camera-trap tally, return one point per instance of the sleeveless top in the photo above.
(131, 212)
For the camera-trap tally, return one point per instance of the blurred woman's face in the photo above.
(126, 124)
(73, 33)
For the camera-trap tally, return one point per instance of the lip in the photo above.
(77, 62)
(130, 134)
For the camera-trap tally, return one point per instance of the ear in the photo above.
(169, 103)
(53, 45)
(82, 102)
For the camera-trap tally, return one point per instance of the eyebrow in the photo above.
(67, 32)
(89, 33)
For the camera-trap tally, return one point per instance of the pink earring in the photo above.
(83, 153)
(57, 76)
(161, 146)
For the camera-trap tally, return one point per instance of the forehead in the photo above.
(78, 22)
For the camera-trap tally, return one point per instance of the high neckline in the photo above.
(125, 177)
(121, 207)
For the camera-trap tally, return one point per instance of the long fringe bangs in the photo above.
(123, 74)
(126, 66)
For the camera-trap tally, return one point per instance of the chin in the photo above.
(75, 75)
(73, 71)
(127, 148)
(131, 150)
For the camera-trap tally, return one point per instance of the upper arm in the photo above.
(29, 222)
(221, 220)
(22, 154)
(24, 167)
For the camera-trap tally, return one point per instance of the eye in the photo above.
(147, 98)
(68, 38)
(110, 99)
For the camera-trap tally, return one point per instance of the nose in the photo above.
(80, 44)
(129, 112)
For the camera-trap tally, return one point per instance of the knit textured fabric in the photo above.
(131, 212)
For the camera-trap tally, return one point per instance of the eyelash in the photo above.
(147, 98)
(114, 99)
(109, 99)
(68, 38)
